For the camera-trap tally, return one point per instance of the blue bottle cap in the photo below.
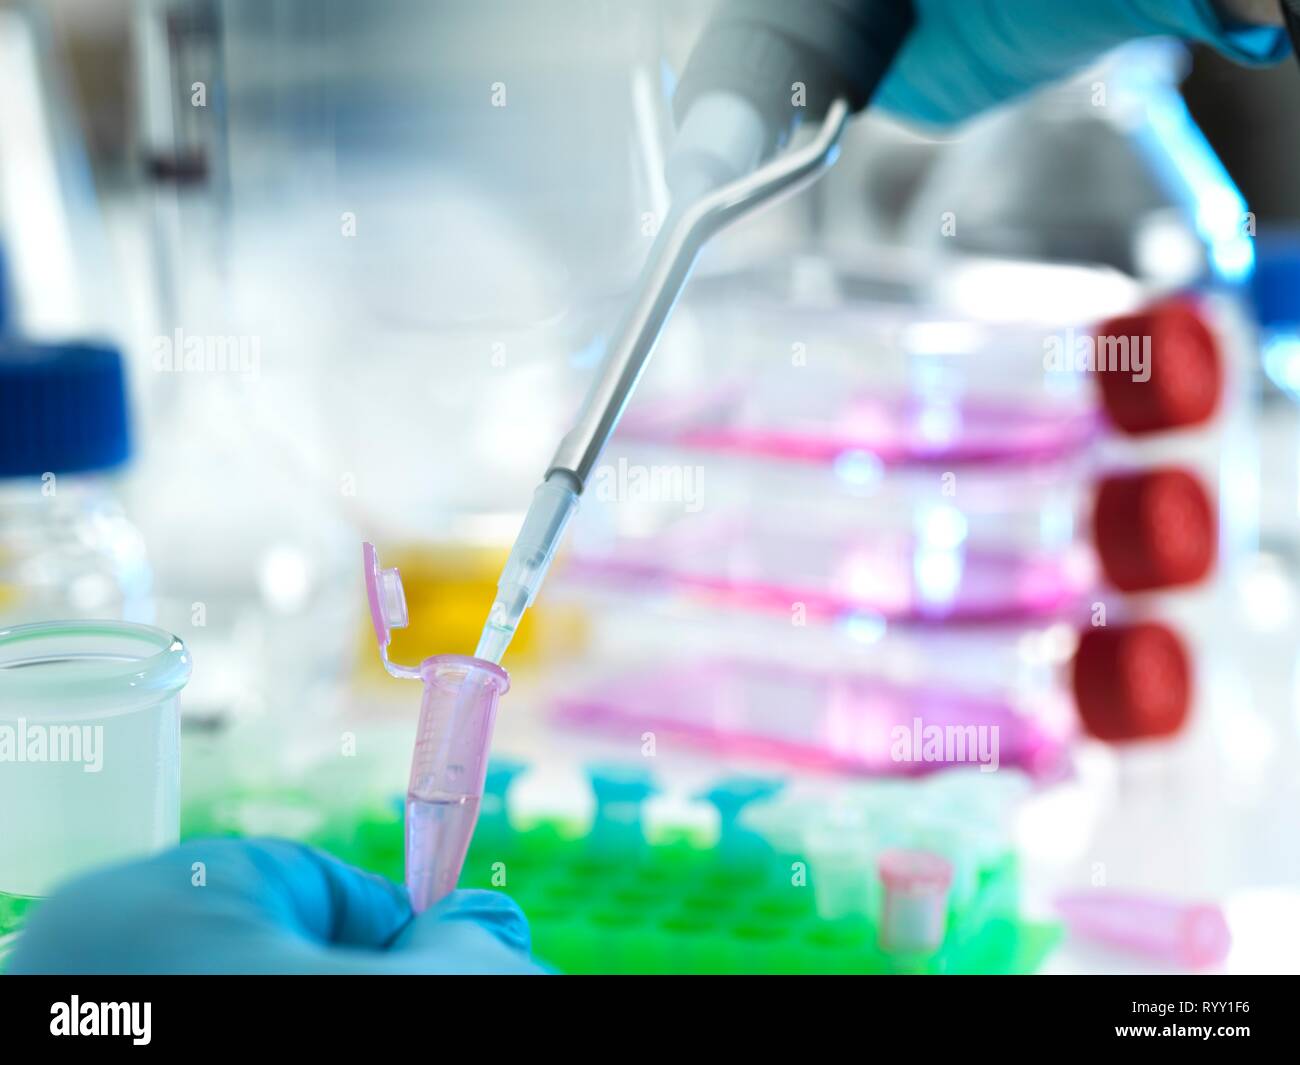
(62, 408)
(5, 302)
(1276, 284)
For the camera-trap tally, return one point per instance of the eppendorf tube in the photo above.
(449, 765)
(1192, 934)
(447, 771)
(914, 914)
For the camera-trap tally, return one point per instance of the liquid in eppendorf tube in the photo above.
(439, 828)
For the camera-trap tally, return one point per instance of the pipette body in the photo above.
(662, 280)
(760, 67)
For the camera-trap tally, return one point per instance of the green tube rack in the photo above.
(613, 903)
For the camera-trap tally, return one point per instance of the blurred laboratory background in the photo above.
(310, 273)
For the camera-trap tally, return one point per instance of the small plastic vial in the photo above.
(914, 916)
(67, 549)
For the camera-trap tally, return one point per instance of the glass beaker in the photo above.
(89, 750)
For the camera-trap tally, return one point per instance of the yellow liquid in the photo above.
(449, 590)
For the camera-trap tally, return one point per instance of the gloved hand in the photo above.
(267, 906)
(967, 55)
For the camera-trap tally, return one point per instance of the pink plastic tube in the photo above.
(1190, 934)
(447, 771)
(451, 744)
(914, 915)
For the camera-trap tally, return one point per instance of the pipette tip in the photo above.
(493, 643)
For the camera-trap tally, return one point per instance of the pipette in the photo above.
(757, 68)
(671, 259)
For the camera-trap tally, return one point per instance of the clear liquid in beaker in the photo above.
(88, 792)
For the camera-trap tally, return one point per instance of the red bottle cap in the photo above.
(1172, 343)
(1154, 529)
(1132, 681)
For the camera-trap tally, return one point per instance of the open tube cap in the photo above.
(914, 871)
(387, 599)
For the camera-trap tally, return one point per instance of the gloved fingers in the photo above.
(471, 933)
(272, 883)
(965, 56)
(497, 913)
(129, 917)
(262, 906)
(324, 899)
(335, 905)
(459, 947)
(468, 932)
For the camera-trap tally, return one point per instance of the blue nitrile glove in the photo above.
(966, 55)
(268, 906)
